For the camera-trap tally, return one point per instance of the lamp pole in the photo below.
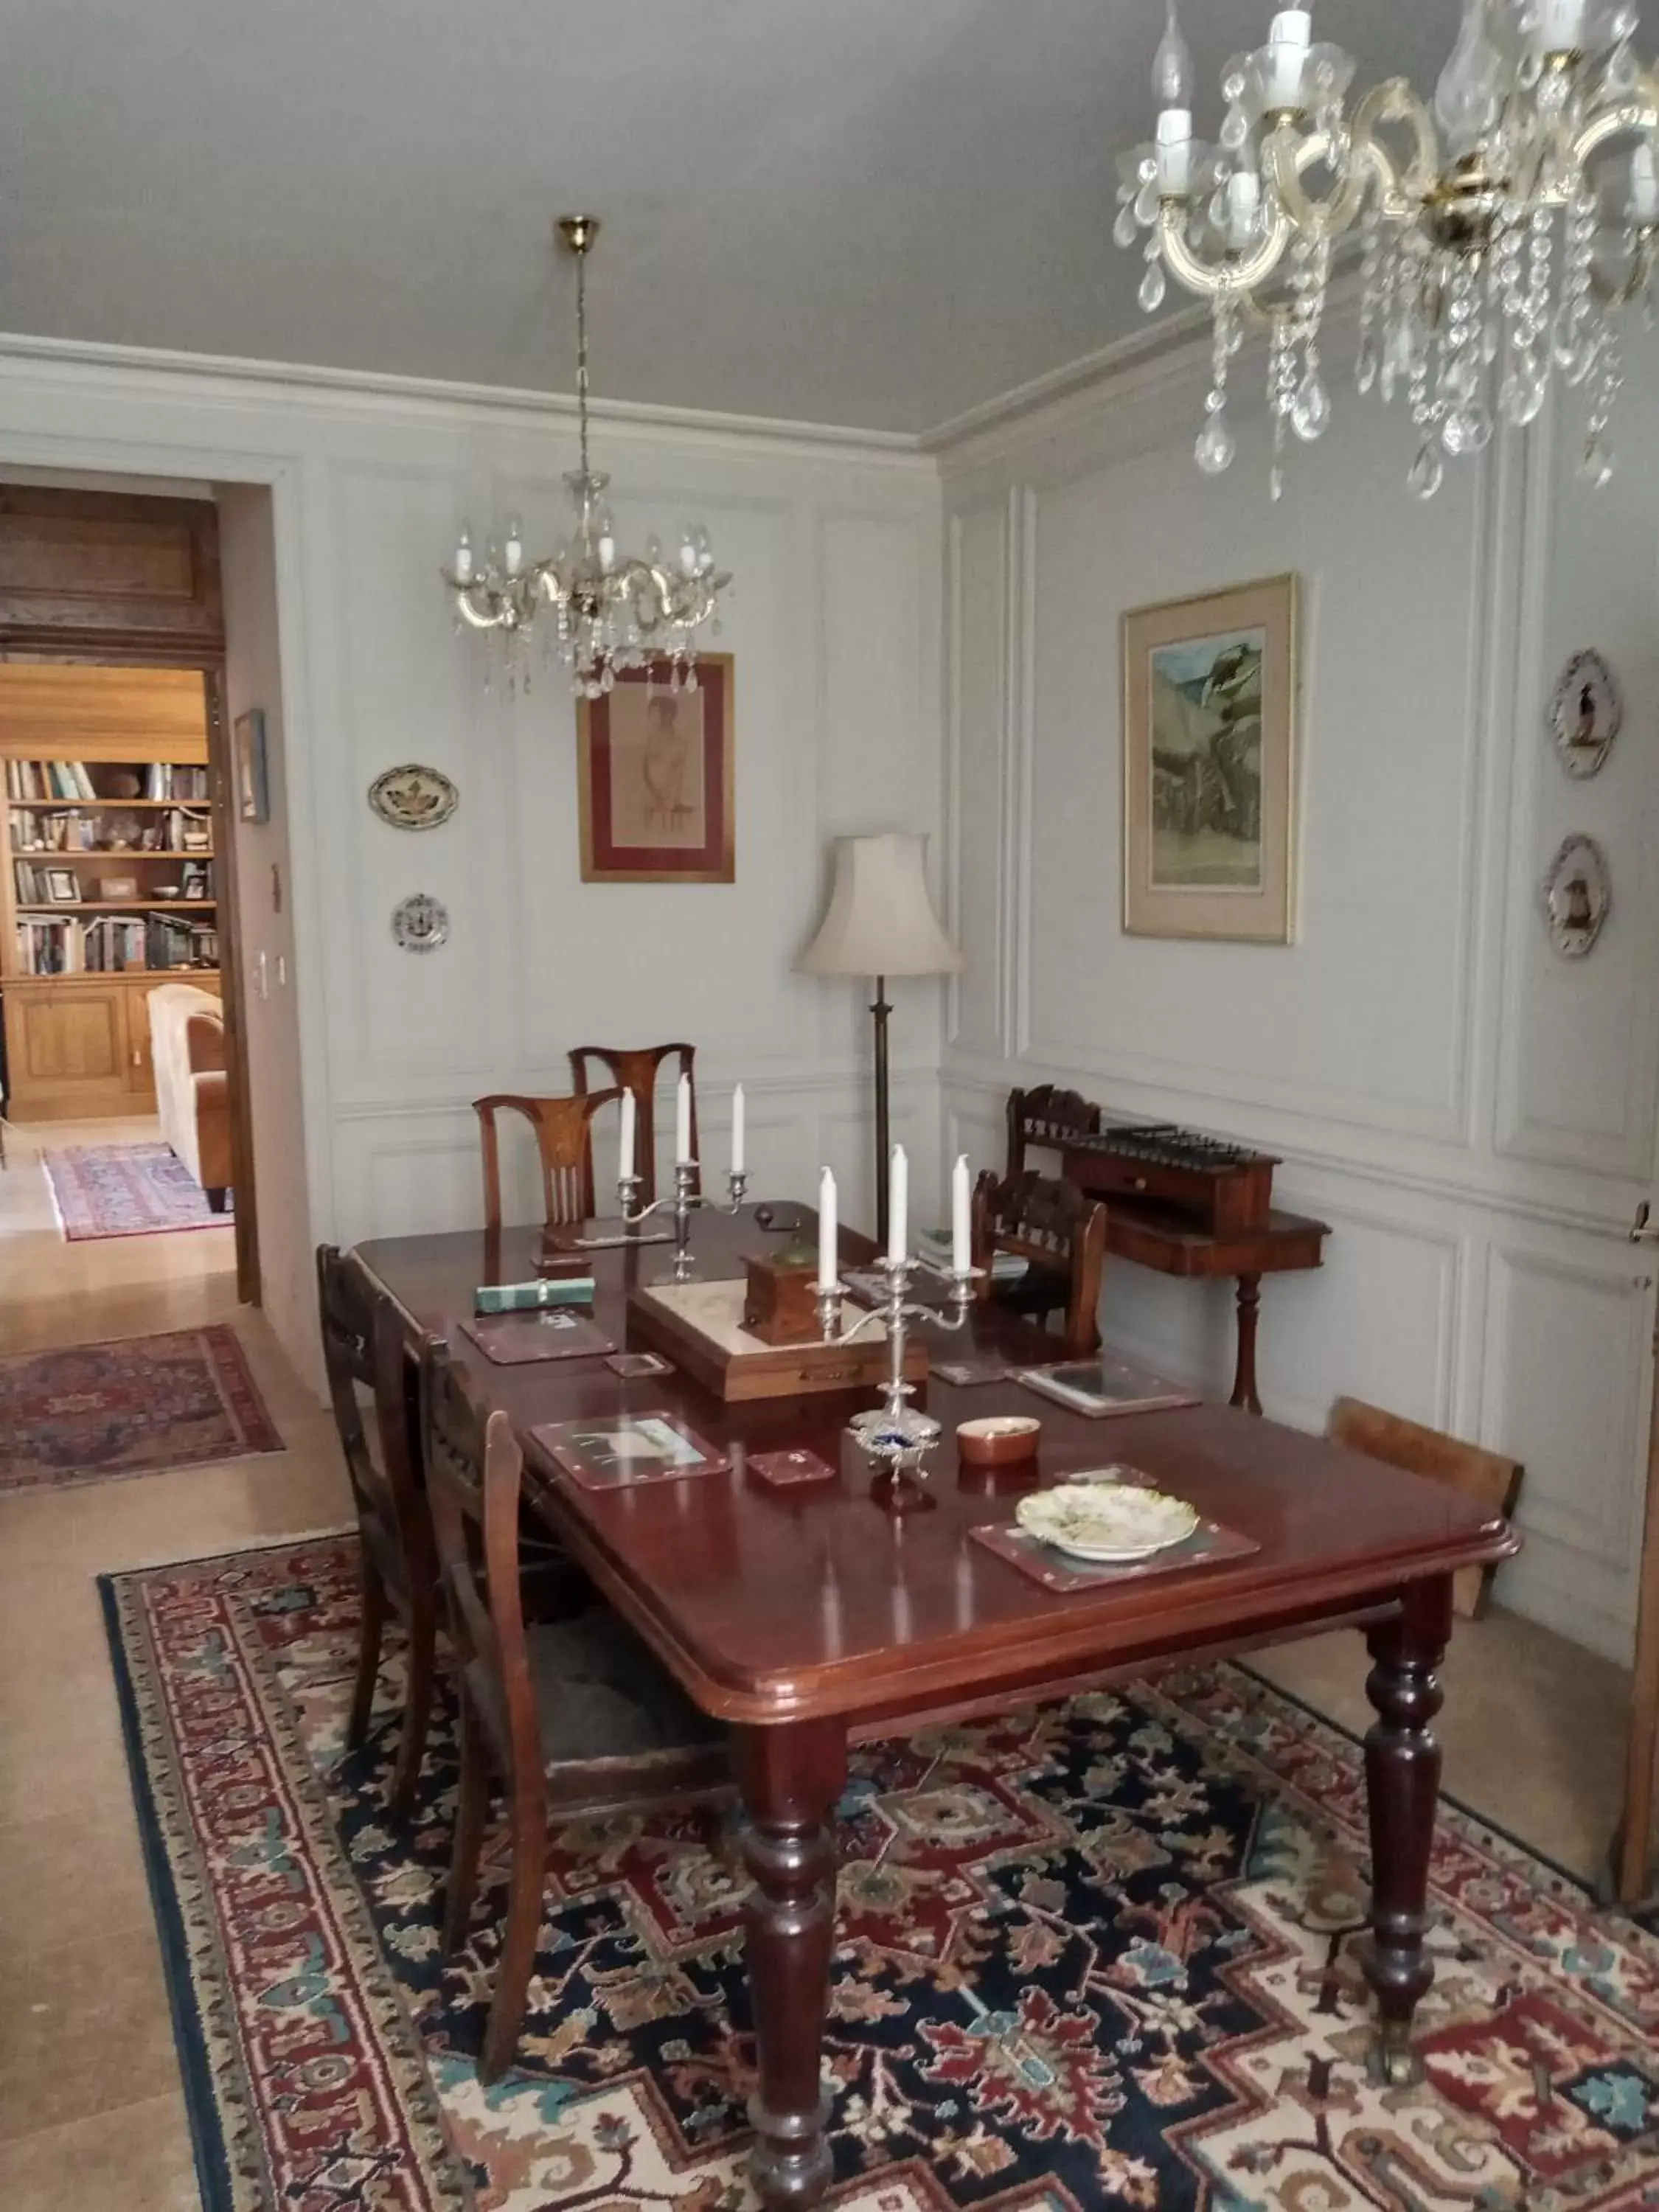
(880, 1010)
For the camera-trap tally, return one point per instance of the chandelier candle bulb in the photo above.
(1644, 184)
(829, 1234)
(626, 1142)
(1560, 25)
(682, 1122)
(898, 1208)
(1175, 153)
(513, 551)
(1243, 204)
(464, 558)
(738, 1131)
(1288, 40)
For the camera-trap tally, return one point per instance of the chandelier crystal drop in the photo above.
(1503, 231)
(601, 610)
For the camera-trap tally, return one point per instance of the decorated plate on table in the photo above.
(1106, 1520)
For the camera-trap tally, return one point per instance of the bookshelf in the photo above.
(110, 882)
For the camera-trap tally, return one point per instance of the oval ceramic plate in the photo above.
(412, 797)
(1106, 1522)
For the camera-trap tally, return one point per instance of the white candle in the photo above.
(464, 559)
(1243, 199)
(514, 550)
(1175, 150)
(625, 1148)
(737, 1130)
(688, 557)
(829, 1253)
(1288, 40)
(1560, 25)
(607, 551)
(682, 1122)
(960, 1218)
(898, 1206)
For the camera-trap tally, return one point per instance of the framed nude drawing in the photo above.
(656, 778)
(1210, 701)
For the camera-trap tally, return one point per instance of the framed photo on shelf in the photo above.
(63, 885)
(252, 785)
(193, 880)
(1209, 737)
(656, 778)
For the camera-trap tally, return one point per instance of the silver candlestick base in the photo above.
(686, 1201)
(895, 1437)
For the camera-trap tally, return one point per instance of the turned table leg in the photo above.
(791, 1778)
(1403, 1772)
(1249, 1308)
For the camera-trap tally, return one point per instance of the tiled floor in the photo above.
(90, 2110)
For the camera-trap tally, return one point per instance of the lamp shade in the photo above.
(880, 920)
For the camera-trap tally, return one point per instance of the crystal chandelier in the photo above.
(1499, 239)
(608, 612)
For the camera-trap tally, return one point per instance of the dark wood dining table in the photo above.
(810, 1615)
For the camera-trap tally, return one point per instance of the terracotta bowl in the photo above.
(1000, 1440)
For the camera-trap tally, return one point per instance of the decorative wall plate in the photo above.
(1586, 713)
(420, 923)
(1577, 894)
(413, 798)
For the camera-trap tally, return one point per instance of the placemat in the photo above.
(627, 1448)
(780, 1469)
(515, 1340)
(1209, 1544)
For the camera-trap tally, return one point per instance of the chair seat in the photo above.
(1036, 1291)
(600, 1693)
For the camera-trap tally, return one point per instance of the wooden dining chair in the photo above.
(1488, 1476)
(1061, 1233)
(1047, 1116)
(399, 1568)
(564, 1142)
(639, 1071)
(575, 1718)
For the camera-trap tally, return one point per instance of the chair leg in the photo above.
(527, 1884)
(471, 1808)
(368, 1651)
(417, 1704)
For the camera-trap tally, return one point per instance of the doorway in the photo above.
(120, 998)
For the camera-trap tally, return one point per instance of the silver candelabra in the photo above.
(686, 1201)
(896, 1435)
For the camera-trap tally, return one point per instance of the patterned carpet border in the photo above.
(1098, 1954)
(100, 1191)
(128, 1407)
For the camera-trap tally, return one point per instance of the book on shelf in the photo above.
(113, 944)
(181, 782)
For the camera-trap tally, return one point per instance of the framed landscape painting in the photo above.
(1210, 696)
(656, 778)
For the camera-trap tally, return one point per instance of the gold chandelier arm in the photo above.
(498, 616)
(1640, 112)
(1210, 279)
(1286, 155)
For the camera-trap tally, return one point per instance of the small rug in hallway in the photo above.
(126, 1190)
(91, 1412)
(1097, 1955)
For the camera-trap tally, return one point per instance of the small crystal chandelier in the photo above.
(1492, 252)
(610, 611)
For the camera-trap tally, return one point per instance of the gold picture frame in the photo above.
(1210, 710)
(656, 778)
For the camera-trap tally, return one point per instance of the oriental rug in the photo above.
(140, 1405)
(126, 1190)
(1097, 1954)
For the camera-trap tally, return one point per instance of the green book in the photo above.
(524, 1298)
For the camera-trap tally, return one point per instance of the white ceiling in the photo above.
(874, 212)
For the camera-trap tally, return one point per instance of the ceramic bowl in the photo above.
(1000, 1440)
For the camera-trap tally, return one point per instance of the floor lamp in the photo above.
(880, 922)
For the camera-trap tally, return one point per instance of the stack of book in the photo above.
(933, 1250)
(49, 779)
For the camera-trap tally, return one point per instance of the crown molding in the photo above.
(210, 378)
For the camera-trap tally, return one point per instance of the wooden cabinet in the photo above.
(77, 1046)
(66, 1049)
